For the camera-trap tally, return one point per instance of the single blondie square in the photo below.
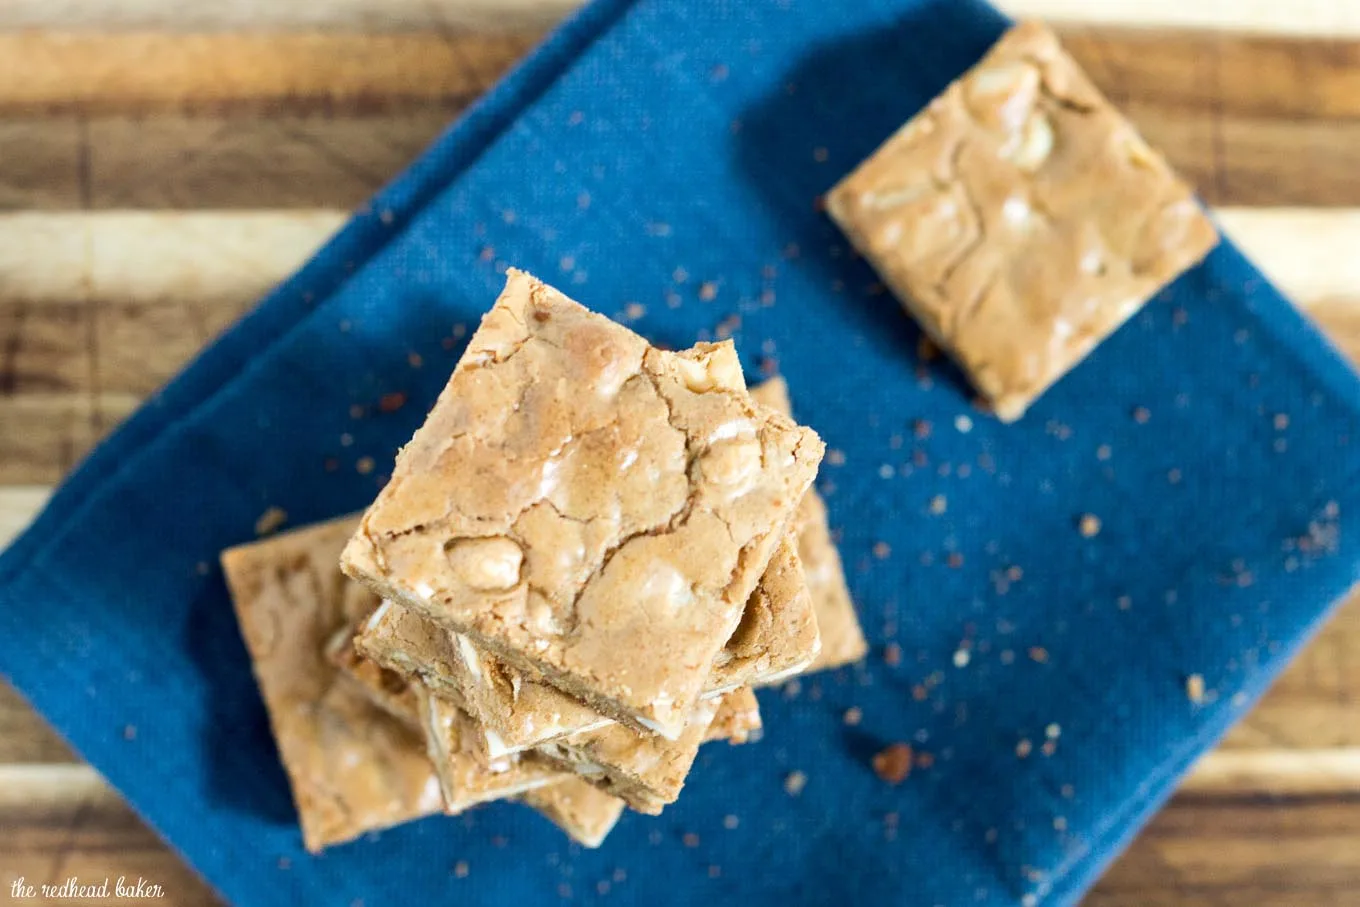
(518, 710)
(1021, 219)
(842, 639)
(588, 507)
(352, 766)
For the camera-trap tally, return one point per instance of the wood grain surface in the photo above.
(163, 162)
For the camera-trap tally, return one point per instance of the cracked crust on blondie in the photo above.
(586, 506)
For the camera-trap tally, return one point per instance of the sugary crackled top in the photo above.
(351, 765)
(1021, 218)
(842, 639)
(586, 505)
(777, 637)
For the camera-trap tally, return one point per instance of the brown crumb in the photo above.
(690, 839)
(1050, 747)
(1089, 525)
(390, 403)
(1141, 415)
(634, 310)
(794, 782)
(1024, 748)
(1039, 654)
(1281, 421)
(1103, 452)
(129, 732)
(955, 560)
(921, 428)
(356, 411)
(1194, 688)
(852, 716)
(415, 360)
(331, 464)
(460, 869)
(925, 760)
(364, 465)
(919, 692)
(730, 821)
(892, 654)
(708, 291)
(714, 871)
(882, 550)
(893, 764)
(270, 520)
(835, 457)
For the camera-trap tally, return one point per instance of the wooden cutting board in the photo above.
(162, 162)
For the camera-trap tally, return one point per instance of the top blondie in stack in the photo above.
(588, 544)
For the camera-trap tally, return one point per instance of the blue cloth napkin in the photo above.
(658, 159)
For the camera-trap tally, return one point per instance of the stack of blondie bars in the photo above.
(585, 559)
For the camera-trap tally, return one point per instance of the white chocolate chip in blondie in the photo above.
(1003, 96)
(708, 373)
(486, 564)
(1032, 145)
(733, 464)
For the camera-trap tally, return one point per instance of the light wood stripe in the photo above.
(1323, 18)
(18, 505)
(231, 257)
(1304, 18)
(130, 256)
(1300, 773)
